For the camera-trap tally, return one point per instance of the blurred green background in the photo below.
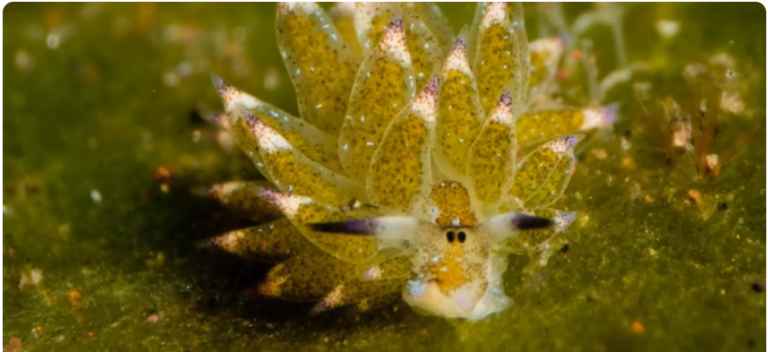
(97, 255)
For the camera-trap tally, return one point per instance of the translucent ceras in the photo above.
(416, 165)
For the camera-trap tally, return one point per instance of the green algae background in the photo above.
(97, 255)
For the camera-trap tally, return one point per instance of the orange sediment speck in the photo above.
(693, 197)
(153, 318)
(576, 54)
(164, 174)
(638, 327)
(628, 163)
(73, 296)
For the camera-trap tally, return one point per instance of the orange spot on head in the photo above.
(452, 199)
(448, 272)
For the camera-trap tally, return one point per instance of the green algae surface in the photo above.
(100, 100)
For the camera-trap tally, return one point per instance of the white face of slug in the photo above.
(455, 275)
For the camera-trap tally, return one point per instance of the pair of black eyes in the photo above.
(461, 236)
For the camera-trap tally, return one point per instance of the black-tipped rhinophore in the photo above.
(530, 222)
(352, 227)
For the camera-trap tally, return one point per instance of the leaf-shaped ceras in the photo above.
(423, 27)
(501, 54)
(384, 86)
(460, 115)
(543, 175)
(303, 210)
(321, 66)
(490, 165)
(400, 172)
(545, 124)
(293, 172)
(304, 137)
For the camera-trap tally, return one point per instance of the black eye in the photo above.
(450, 235)
(462, 236)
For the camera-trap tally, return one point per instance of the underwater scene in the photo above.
(384, 176)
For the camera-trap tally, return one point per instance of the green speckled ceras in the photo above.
(413, 164)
